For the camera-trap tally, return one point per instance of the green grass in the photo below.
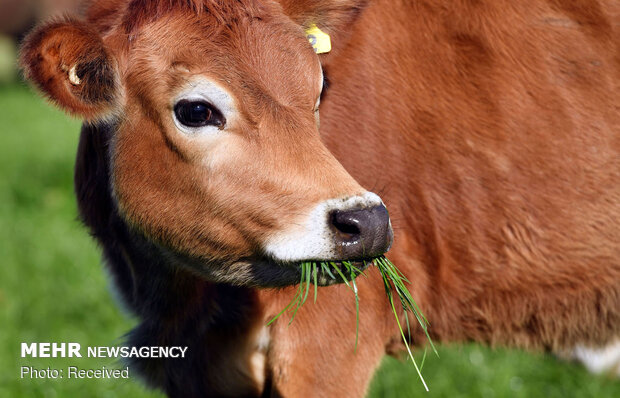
(52, 287)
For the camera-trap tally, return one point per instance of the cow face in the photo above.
(216, 155)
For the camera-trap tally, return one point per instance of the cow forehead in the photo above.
(258, 59)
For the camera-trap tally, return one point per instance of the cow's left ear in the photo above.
(69, 62)
(332, 16)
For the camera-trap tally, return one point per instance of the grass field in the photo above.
(52, 287)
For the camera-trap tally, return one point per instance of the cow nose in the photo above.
(362, 233)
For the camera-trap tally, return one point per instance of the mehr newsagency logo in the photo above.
(75, 350)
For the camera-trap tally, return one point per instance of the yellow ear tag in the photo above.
(320, 40)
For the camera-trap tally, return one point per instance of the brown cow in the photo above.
(491, 129)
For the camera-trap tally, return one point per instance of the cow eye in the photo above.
(198, 114)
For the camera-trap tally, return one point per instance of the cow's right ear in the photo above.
(68, 61)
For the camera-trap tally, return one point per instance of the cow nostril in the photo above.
(361, 232)
(347, 227)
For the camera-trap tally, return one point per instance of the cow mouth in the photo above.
(328, 272)
(334, 272)
(268, 272)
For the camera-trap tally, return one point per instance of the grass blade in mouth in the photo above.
(389, 270)
(326, 269)
(389, 273)
(314, 272)
(295, 299)
(393, 281)
(357, 311)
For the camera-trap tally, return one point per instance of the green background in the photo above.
(53, 288)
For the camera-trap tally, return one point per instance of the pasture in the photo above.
(52, 287)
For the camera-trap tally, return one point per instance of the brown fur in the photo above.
(490, 129)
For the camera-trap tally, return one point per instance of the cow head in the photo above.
(216, 154)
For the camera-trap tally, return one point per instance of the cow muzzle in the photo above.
(341, 229)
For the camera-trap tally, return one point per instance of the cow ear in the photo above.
(68, 61)
(332, 16)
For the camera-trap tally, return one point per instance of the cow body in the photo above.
(491, 131)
